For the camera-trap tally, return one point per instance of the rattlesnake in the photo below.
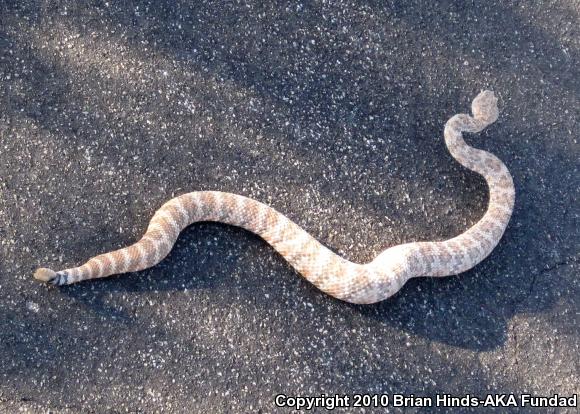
(338, 277)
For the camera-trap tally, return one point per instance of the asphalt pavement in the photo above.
(333, 113)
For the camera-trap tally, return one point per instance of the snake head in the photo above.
(484, 107)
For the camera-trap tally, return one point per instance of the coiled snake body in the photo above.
(338, 277)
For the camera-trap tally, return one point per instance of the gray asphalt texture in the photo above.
(333, 113)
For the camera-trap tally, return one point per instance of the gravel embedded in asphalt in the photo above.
(332, 112)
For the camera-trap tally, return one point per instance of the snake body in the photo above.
(338, 277)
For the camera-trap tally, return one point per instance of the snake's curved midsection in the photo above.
(328, 271)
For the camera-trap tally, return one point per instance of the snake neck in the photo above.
(472, 246)
(461, 253)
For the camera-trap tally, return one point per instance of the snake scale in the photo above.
(338, 277)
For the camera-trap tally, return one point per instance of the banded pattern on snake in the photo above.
(338, 277)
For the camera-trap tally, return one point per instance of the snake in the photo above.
(338, 277)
